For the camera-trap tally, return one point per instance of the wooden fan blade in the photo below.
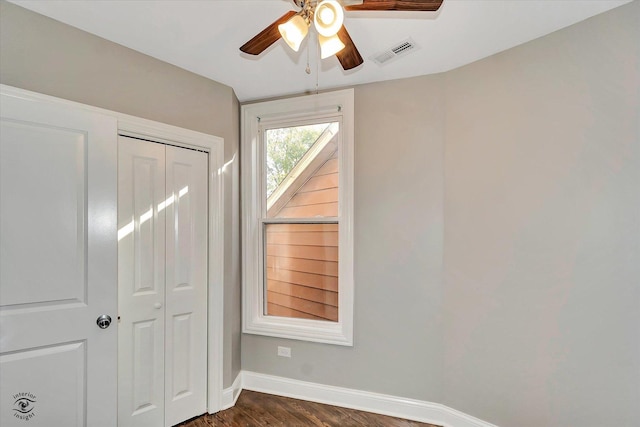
(408, 5)
(266, 37)
(349, 57)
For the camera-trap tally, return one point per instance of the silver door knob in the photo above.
(104, 321)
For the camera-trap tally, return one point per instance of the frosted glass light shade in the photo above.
(294, 31)
(328, 17)
(329, 45)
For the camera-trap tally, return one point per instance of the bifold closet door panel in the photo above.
(142, 204)
(186, 284)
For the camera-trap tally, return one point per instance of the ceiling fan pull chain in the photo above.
(308, 69)
(317, 66)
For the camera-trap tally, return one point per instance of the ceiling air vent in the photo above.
(394, 52)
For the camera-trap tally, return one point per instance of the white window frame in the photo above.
(331, 106)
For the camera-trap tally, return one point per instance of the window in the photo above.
(297, 189)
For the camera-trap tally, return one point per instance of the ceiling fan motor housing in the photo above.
(328, 17)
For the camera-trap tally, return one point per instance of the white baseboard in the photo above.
(230, 395)
(417, 410)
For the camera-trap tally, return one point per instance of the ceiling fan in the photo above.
(327, 17)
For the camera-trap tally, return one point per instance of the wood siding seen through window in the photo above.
(318, 196)
(302, 259)
(302, 270)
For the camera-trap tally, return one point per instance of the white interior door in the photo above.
(57, 265)
(186, 306)
(162, 244)
(141, 278)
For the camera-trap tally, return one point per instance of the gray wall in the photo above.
(542, 238)
(46, 56)
(536, 321)
(399, 138)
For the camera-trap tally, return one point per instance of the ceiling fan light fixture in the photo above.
(294, 31)
(328, 17)
(329, 45)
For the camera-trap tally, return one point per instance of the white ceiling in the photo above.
(203, 36)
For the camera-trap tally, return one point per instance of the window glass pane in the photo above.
(302, 171)
(301, 271)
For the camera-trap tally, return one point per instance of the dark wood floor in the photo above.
(259, 409)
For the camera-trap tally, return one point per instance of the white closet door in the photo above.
(58, 266)
(162, 242)
(186, 280)
(141, 283)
